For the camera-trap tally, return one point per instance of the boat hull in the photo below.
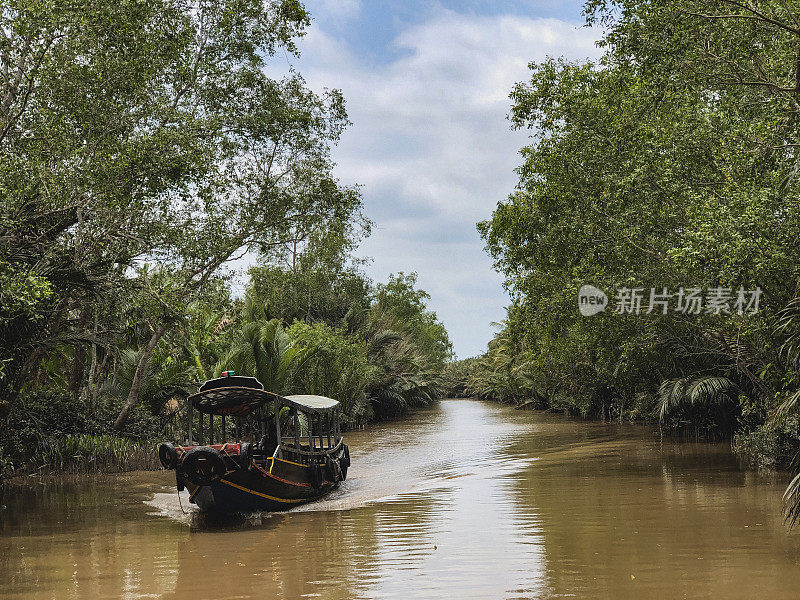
(274, 486)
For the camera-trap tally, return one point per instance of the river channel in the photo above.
(466, 499)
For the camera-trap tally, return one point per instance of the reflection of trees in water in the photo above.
(83, 538)
(629, 515)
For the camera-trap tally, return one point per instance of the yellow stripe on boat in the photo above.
(273, 459)
(244, 489)
(194, 493)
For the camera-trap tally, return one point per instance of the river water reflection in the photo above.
(463, 500)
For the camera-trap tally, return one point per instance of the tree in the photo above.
(670, 162)
(338, 367)
(399, 298)
(646, 171)
(261, 348)
(313, 275)
(187, 155)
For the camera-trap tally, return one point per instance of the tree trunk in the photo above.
(78, 372)
(138, 377)
(759, 383)
(87, 393)
(100, 378)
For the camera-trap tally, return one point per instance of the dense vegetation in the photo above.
(143, 147)
(671, 162)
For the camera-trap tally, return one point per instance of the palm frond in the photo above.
(787, 408)
(791, 501)
(692, 391)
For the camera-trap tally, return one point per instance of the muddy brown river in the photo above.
(463, 500)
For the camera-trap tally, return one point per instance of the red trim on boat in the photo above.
(281, 479)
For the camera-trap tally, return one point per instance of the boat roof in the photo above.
(239, 396)
(232, 400)
(232, 381)
(310, 403)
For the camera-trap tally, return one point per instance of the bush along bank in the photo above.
(381, 359)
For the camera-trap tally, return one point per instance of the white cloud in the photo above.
(338, 11)
(431, 145)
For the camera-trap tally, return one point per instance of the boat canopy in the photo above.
(230, 380)
(233, 400)
(234, 395)
(309, 403)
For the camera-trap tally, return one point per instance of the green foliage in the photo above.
(369, 361)
(22, 292)
(669, 162)
(408, 372)
(166, 377)
(769, 446)
(455, 376)
(310, 295)
(400, 298)
(144, 147)
(791, 500)
(380, 351)
(202, 339)
(338, 368)
(261, 348)
(313, 276)
(147, 133)
(378, 360)
(82, 453)
(41, 422)
(692, 391)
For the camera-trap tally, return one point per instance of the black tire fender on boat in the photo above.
(334, 470)
(168, 455)
(315, 472)
(180, 482)
(203, 465)
(246, 456)
(345, 460)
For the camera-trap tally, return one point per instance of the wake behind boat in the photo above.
(286, 450)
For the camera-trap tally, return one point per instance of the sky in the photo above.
(426, 86)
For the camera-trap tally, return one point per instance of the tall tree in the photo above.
(145, 131)
(668, 163)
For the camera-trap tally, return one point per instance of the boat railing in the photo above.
(290, 449)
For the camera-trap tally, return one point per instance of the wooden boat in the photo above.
(286, 450)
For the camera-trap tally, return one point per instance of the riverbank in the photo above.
(770, 448)
(383, 360)
(64, 454)
(48, 432)
(37, 441)
(704, 410)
